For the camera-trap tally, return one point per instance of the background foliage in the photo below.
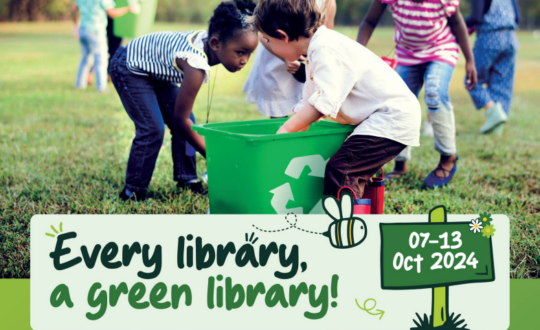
(349, 12)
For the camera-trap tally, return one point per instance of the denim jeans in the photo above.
(92, 45)
(436, 76)
(150, 104)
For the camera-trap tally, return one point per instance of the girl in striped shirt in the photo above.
(146, 75)
(427, 36)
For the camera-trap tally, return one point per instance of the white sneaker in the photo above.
(428, 129)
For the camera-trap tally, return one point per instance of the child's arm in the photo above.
(75, 12)
(75, 18)
(113, 12)
(301, 120)
(332, 82)
(459, 29)
(373, 16)
(193, 80)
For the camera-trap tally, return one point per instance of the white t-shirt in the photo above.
(352, 85)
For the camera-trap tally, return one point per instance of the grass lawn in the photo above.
(64, 151)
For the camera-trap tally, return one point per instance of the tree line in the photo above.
(349, 12)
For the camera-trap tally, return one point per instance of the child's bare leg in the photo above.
(401, 165)
(447, 163)
(400, 168)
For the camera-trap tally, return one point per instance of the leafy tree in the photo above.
(349, 12)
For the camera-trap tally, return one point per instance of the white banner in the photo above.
(262, 272)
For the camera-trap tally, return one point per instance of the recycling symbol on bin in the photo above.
(284, 193)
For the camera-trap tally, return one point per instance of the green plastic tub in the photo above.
(252, 170)
(135, 25)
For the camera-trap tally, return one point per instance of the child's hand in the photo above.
(302, 120)
(472, 78)
(135, 8)
(292, 67)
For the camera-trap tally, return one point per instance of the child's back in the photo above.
(422, 31)
(354, 86)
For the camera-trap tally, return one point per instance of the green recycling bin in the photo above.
(252, 170)
(135, 25)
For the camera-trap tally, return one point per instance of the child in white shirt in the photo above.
(346, 82)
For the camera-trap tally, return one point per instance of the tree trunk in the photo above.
(25, 10)
(35, 8)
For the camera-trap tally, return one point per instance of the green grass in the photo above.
(64, 151)
(453, 323)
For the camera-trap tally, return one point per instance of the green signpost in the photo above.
(434, 255)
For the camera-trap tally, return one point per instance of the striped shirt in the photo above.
(422, 31)
(155, 54)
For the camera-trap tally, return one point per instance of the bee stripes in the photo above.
(342, 233)
(337, 234)
(346, 230)
(351, 232)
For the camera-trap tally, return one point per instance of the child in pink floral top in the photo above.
(427, 36)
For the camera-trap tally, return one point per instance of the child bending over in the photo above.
(146, 74)
(346, 82)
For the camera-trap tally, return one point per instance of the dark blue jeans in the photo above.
(150, 104)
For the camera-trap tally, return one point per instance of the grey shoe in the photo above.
(495, 116)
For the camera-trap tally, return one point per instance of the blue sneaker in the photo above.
(432, 180)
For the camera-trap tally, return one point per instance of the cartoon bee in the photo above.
(345, 231)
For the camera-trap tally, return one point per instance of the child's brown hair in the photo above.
(297, 18)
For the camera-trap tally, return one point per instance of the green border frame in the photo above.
(15, 304)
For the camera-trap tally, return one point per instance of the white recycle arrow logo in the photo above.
(283, 194)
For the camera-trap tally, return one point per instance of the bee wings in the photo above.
(339, 210)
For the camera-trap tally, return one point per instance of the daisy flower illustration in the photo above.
(476, 226)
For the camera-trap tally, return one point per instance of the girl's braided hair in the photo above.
(230, 17)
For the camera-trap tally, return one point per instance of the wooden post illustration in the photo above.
(440, 294)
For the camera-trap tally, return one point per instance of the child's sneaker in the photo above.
(428, 129)
(196, 187)
(495, 116)
(432, 181)
(136, 196)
